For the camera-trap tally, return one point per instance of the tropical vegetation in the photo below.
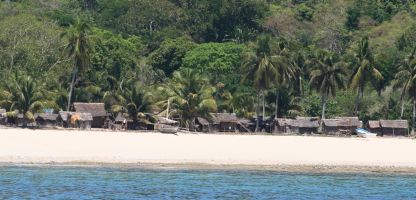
(185, 59)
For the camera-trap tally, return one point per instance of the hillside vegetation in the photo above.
(287, 58)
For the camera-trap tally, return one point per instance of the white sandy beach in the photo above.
(53, 146)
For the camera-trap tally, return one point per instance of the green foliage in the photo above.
(211, 55)
(304, 12)
(189, 95)
(214, 58)
(168, 57)
(353, 18)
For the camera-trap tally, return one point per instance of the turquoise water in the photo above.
(126, 183)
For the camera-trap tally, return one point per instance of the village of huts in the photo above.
(87, 116)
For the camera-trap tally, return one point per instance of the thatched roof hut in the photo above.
(394, 127)
(224, 122)
(97, 111)
(341, 125)
(47, 119)
(299, 125)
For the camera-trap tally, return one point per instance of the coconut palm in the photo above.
(365, 70)
(78, 50)
(406, 77)
(132, 100)
(287, 70)
(24, 94)
(327, 76)
(188, 95)
(260, 66)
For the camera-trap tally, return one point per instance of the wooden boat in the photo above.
(364, 133)
(169, 129)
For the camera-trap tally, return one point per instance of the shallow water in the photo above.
(52, 182)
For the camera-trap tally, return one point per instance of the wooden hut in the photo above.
(47, 120)
(341, 125)
(305, 125)
(203, 125)
(394, 127)
(374, 126)
(97, 110)
(283, 125)
(84, 120)
(224, 122)
(64, 117)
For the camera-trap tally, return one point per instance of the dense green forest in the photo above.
(287, 58)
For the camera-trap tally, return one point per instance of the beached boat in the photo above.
(169, 129)
(364, 133)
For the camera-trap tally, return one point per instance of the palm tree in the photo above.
(22, 93)
(77, 49)
(405, 69)
(406, 77)
(365, 71)
(327, 76)
(132, 100)
(287, 71)
(188, 95)
(260, 65)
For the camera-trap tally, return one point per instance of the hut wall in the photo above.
(227, 127)
(335, 130)
(46, 123)
(394, 132)
(375, 130)
(307, 130)
(98, 122)
(85, 125)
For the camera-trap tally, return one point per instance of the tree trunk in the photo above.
(257, 112)
(264, 110)
(74, 73)
(324, 101)
(414, 116)
(277, 103)
(360, 96)
(402, 109)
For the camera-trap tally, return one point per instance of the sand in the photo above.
(20, 146)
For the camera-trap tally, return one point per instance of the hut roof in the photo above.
(342, 122)
(203, 121)
(96, 109)
(305, 123)
(284, 121)
(308, 118)
(374, 124)
(224, 117)
(64, 115)
(394, 124)
(47, 116)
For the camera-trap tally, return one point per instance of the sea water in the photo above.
(52, 182)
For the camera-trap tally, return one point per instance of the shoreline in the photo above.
(297, 154)
(296, 169)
